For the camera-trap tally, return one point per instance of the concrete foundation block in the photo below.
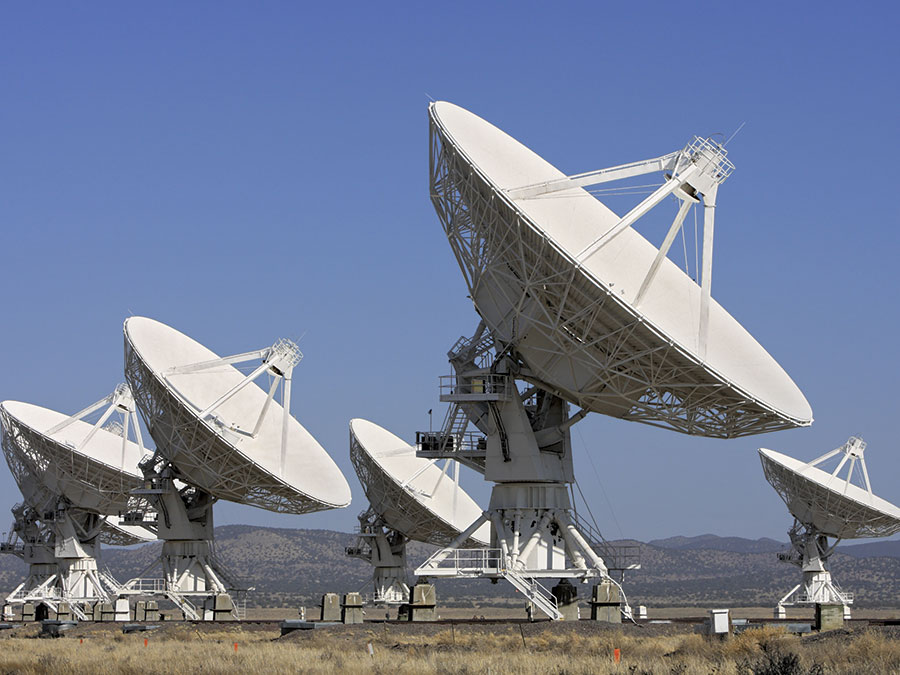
(352, 608)
(566, 595)
(606, 602)
(423, 603)
(151, 611)
(120, 609)
(829, 617)
(218, 608)
(331, 607)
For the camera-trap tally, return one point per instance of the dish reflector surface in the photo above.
(572, 320)
(114, 534)
(831, 505)
(411, 494)
(218, 454)
(97, 477)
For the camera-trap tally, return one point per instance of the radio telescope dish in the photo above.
(411, 495)
(410, 498)
(594, 310)
(577, 308)
(72, 474)
(94, 469)
(826, 505)
(221, 431)
(225, 438)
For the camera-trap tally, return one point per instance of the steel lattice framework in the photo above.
(200, 454)
(814, 504)
(399, 509)
(619, 364)
(82, 480)
(115, 536)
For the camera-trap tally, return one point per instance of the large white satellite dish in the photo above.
(225, 438)
(413, 498)
(593, 309)
(90, 466)
(73, 476)
(223, 433)
(825, 504)
(581, 309)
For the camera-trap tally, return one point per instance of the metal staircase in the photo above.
(618, 557)
(191, 613)
(537, 594)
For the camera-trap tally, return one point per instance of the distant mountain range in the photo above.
(712, 542)
(292, 567)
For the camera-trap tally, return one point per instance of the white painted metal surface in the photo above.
(224, 433)
(826, 504)
(413, 496)
(90, 466)
(832, 504)
(71, 474)
(410, 498)
(558, 275)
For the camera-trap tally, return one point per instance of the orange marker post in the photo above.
(146, 641)
(235, 647)
(617, 655)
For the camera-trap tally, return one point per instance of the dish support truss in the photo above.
(528, 456)
(623, 366)
(60, 543)
(193, 578)
(198, 441)
(384, 549)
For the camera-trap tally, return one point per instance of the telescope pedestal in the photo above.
(61, 559)
(192, 577)
(533, 527)
(386, 552)
(810, 551)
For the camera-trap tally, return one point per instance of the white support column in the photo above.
(235, 389)
(664, 249)
(81, 413)
(262, 415)
(637, 212)
(709, 215)
(286, 415)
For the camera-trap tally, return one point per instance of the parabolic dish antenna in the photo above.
(93, 468)
(825, 504)
(222, 432)
(73, 474)
(578, 308)
(226, 438)
(411, 495)
(595, 311)
(410, 498)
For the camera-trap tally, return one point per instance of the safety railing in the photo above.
(487, 387)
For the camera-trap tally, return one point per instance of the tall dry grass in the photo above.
(453, 651)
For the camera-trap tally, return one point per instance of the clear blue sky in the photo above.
(244, 171)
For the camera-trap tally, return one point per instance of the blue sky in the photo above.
(245, 171)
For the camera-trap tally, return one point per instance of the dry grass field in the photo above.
(397, 649)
